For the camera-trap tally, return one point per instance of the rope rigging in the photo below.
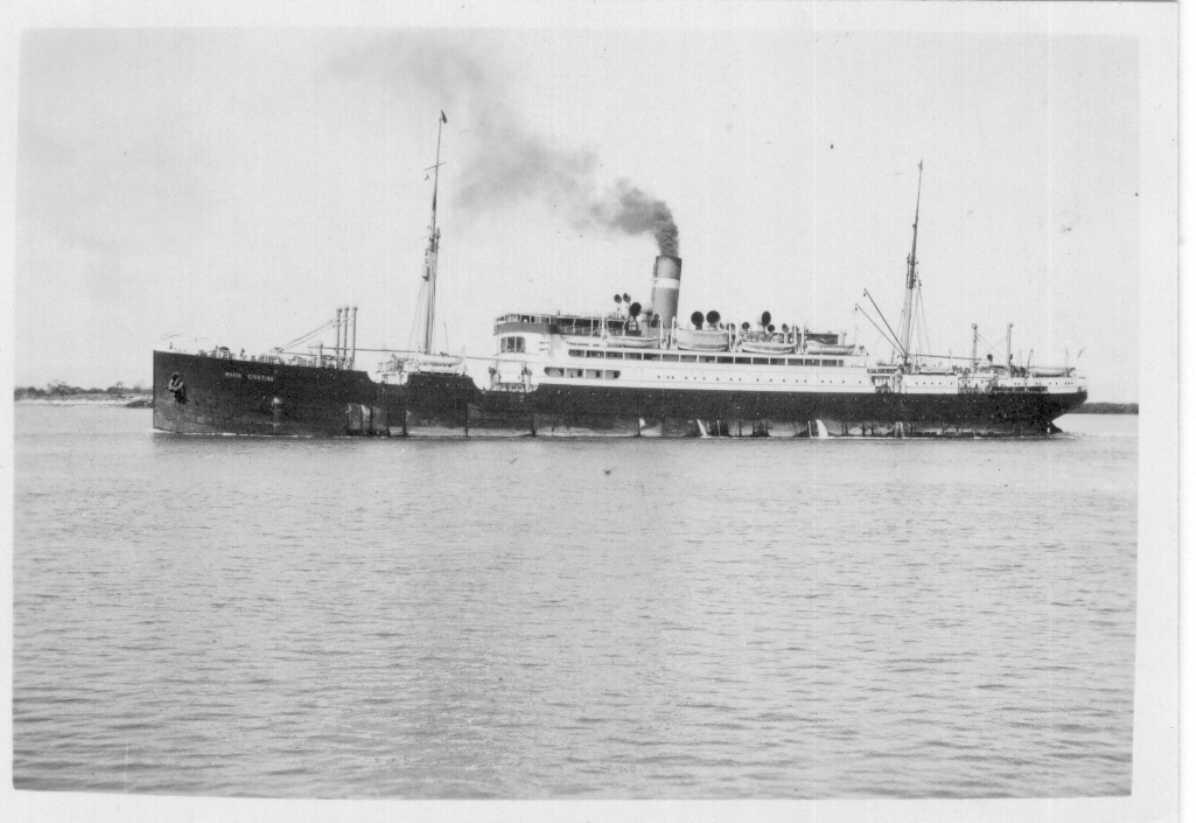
(922, 325)
(417, 310)
(304, 337)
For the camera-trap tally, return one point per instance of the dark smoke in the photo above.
(511, 165)
(521, 166)
(638, 213)
(505, 162)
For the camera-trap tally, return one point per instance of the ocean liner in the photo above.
(636, 371)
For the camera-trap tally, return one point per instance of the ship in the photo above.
(636, 370)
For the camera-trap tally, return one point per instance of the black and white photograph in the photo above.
(595, 411)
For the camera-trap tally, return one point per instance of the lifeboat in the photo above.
(702, 339)
(629, 341)
(771, 344)
(766, 347)
(814, 347)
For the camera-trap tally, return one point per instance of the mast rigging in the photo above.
(431, 255)
(911, 278)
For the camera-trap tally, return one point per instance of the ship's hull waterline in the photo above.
(200, 394)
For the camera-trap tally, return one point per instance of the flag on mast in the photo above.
(443, 119)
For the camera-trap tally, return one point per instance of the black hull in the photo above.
(997, 413)
(228, 396)
(211, 395)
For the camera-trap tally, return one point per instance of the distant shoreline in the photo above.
(127, 401)
(63, 395)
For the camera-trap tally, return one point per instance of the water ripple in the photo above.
(387, 618)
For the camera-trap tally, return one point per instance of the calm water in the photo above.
(539, 618)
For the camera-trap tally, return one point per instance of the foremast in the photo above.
(433, 251)
(911, 280)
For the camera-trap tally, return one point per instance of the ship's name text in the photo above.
(263, 378)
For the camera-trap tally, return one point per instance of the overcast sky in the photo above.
(234, 187)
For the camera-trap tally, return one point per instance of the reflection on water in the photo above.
(569, 618)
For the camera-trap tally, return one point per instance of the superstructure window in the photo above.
(512, 343)
(584, 374)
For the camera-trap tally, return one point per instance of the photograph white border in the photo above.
(1155, 793)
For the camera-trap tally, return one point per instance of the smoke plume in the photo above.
(507, 162)
(523, 166)
(635, 212)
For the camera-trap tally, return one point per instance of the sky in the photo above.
(196, 187)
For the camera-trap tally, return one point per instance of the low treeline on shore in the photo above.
(136, 396)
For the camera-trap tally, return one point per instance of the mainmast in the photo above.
(433, 249)
(911, 279)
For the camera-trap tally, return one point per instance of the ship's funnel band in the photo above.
(666, 288)
(667, 266)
